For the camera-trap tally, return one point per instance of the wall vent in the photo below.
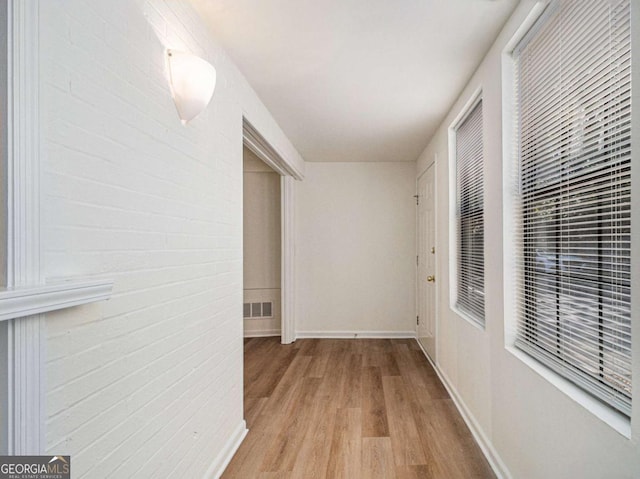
(258, 310)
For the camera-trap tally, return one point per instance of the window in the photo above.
(573, 117)
(470, 215)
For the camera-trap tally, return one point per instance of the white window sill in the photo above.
(468, 318)
(618, 421)
(30, 300)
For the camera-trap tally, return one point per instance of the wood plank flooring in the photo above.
(343, 408)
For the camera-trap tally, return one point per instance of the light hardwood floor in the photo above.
(343, 408)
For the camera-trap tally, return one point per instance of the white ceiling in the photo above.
(357, 80)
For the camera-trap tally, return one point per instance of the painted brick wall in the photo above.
(148, 384)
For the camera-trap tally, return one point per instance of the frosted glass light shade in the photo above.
(192, 81)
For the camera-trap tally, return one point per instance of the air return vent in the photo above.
(258, 310)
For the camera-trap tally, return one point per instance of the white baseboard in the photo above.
(496, 463)
(223, 459)
(265, 333)
(355, 334)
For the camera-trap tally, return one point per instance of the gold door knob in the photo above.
(431, 279)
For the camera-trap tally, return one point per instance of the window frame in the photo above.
(454, 256)
(615, 419)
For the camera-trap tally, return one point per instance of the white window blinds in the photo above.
(573, 88)
(470, 215)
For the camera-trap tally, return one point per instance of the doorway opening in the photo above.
(289, 174)
(262, 246)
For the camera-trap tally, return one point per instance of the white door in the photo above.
(426, 263)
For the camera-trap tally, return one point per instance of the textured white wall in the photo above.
(536, 430)
(148, 384)
(355, 245)
(262, 242)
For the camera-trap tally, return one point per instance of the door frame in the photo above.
(252, 139)
(436, 263)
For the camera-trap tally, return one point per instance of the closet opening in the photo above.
(262, 247)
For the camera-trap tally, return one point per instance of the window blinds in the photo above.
(470, 215)
(573, 88)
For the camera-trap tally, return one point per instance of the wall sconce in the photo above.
(192, 81)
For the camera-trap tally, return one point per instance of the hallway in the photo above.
(366, 408)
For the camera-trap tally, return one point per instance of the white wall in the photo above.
(262, 243)
(148, 384)
(355, 246)
(533, 428)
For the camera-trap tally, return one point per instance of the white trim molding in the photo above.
(356, 335)
(490, 453)
(23, 144)
(287, 191)
(25, 387)
(253, 140)
(222, 460)
(266, 333)
(28, 301)
(26, 297)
